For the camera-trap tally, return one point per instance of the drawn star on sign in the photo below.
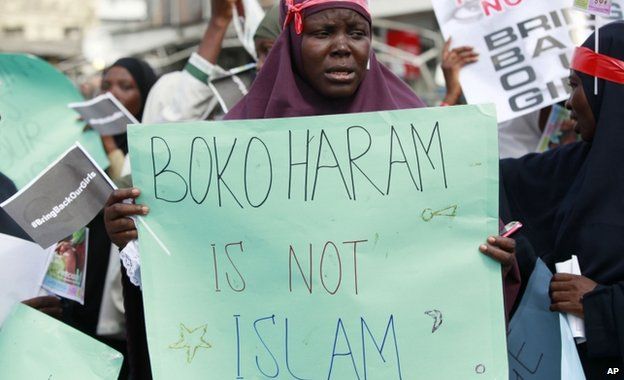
(191, 340)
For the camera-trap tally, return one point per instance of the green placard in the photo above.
(333, 247)
(36, 346)
(35, 124)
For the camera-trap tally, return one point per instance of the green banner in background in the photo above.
(36, 346)
(36, 126)
(333, 247)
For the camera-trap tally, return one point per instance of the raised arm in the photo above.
(453, 60)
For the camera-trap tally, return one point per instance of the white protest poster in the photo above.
(105, 114)
(525, 48)
(22, 267)
(617, 8)
(62, 199)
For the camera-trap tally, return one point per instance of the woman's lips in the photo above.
(340, 76)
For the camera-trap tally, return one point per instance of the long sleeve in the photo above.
(183, 95)
(131, 260)
(604, 321)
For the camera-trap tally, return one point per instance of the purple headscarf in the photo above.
(280, 90)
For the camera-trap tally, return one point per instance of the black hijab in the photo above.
(571, 199)
(144, 76)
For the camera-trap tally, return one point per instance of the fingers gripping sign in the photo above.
(456, 58)
(120, 214)
(119, 209)
(501, 249)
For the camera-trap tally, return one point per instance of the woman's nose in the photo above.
(340, 46)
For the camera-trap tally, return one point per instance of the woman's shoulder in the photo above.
(570, 154)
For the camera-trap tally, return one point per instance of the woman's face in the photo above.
(581, 110)
(119, 82)
(335, 51)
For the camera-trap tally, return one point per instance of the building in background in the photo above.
(49, 28)
(81, 37)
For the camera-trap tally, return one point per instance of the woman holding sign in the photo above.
(321, 64)
(570, 201)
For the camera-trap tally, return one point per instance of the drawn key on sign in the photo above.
(428, 214)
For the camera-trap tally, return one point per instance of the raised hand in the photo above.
(453, 60)
(221, 11)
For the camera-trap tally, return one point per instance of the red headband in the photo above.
(598, 65)
(294, 10)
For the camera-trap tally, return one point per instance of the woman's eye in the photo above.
(357, 33)
(321, 33)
